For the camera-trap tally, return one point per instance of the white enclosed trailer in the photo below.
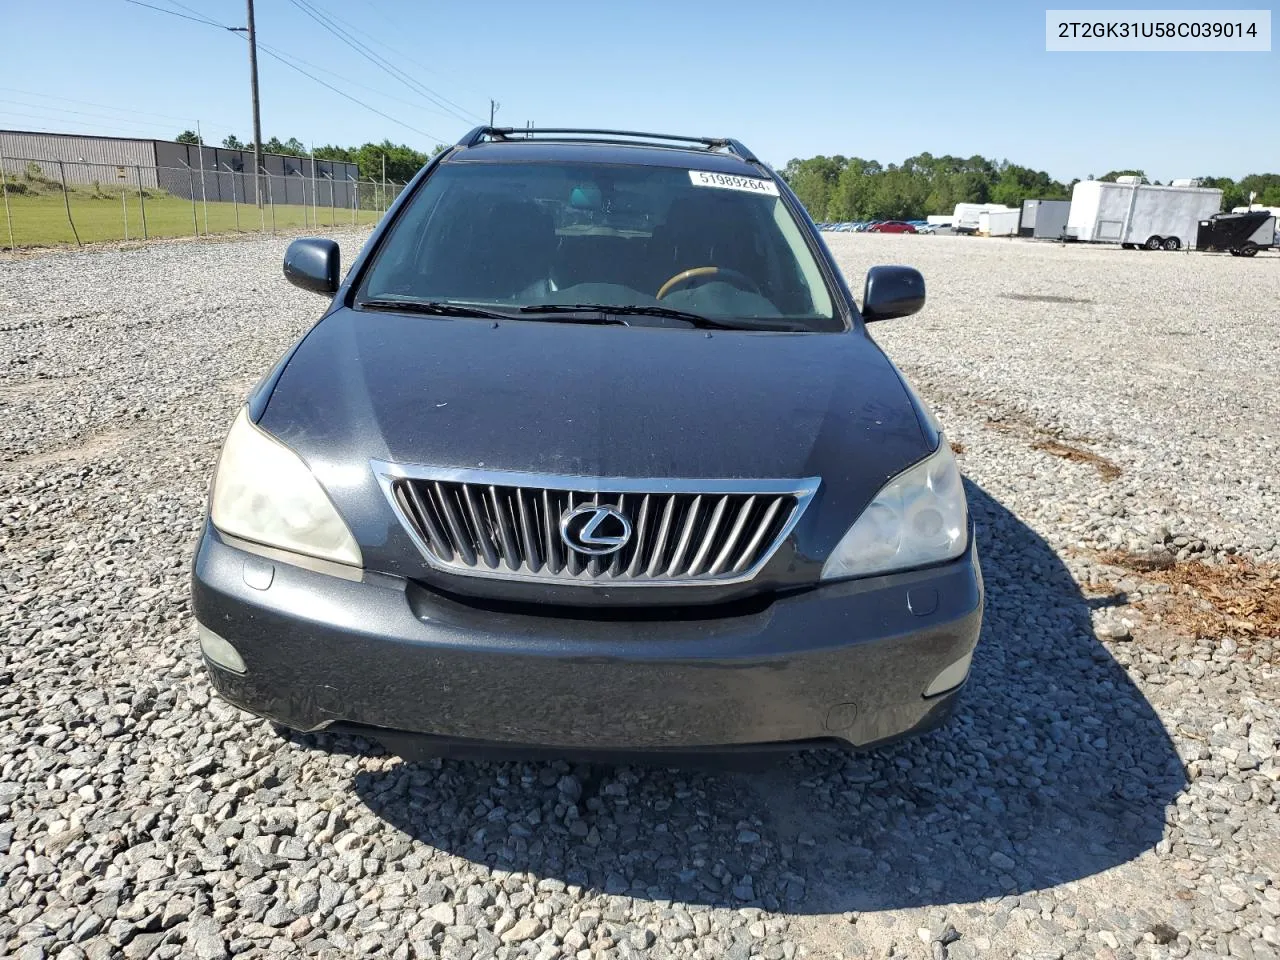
(1044, 219)
(1255, 207)
(1139, 214)
(999, 223)
(965, 218)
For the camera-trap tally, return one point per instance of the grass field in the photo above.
(41, 219)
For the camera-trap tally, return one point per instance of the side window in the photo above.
(406, 262)
(810, 291)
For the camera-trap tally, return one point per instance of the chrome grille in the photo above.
(507, 526)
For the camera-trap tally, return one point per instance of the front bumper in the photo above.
(846, 662)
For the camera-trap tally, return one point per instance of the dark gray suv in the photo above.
(591, 454)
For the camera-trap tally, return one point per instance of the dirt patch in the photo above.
(957, 447)
(1106, 469)
(1238, 597)
(1044, 298)
(36, 387)
(1054, 444)
(38, 322)
(92, 448)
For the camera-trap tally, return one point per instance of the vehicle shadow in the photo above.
(1054, 768)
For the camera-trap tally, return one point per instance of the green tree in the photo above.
(813, 181)
(402, 161)
(898, 193)
(1232, 195)
(232, 142)
(293, 147)
(330, 152)
(1016, 184)
(851, 197)
(1114, 175)
(1265, 185)
(188, 136)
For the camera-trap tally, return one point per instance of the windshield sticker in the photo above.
(727, 181)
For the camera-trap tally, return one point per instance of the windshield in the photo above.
(523, 235)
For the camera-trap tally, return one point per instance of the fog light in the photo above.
(951, 677)
(219, 651)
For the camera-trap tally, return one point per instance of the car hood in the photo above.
(594, 401)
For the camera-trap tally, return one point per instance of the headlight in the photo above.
(265, 493)
(919, 517)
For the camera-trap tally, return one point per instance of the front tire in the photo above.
(1154, 243)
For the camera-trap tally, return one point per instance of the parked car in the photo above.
(891, 226)
(526, 488)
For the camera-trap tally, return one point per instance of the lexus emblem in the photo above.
(595, 529)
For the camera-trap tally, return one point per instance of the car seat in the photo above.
(497, 251)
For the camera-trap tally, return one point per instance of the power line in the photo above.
(108, 127)
(310, 76)
(183, 6)
(326, 70)
(145, 124)
(358, 102)
(415, 104)
(59, 124)
(149, 124)
(421, 89)
(386, 46)
(174, 13)
(102, 106)
(380, 63)
(380, 12)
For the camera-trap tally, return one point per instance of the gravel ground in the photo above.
(1107, 789)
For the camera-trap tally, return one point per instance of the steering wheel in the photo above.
(697, 274)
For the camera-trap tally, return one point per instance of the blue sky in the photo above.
(881, 81)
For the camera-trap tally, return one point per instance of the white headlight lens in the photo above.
(919, 517)
(265, 493)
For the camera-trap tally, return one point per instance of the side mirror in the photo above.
(892, 292)
(313, 264)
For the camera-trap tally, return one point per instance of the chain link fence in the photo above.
(52, 202)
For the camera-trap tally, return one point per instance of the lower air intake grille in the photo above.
(521, 527)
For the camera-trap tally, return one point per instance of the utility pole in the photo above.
(493, 108)
(257, 118)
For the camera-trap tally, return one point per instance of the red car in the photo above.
(891, 226)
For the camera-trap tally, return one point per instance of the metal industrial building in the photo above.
(176, 167)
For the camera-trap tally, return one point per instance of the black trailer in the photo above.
(1243, 234)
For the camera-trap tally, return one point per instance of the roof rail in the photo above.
(590, 135)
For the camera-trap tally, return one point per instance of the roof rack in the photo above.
(588, 135)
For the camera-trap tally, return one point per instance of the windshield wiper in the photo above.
(435, 308)
(600, 313)
(573, 313)
(630, 310)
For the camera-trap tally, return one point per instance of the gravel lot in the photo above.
(1108, 788)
